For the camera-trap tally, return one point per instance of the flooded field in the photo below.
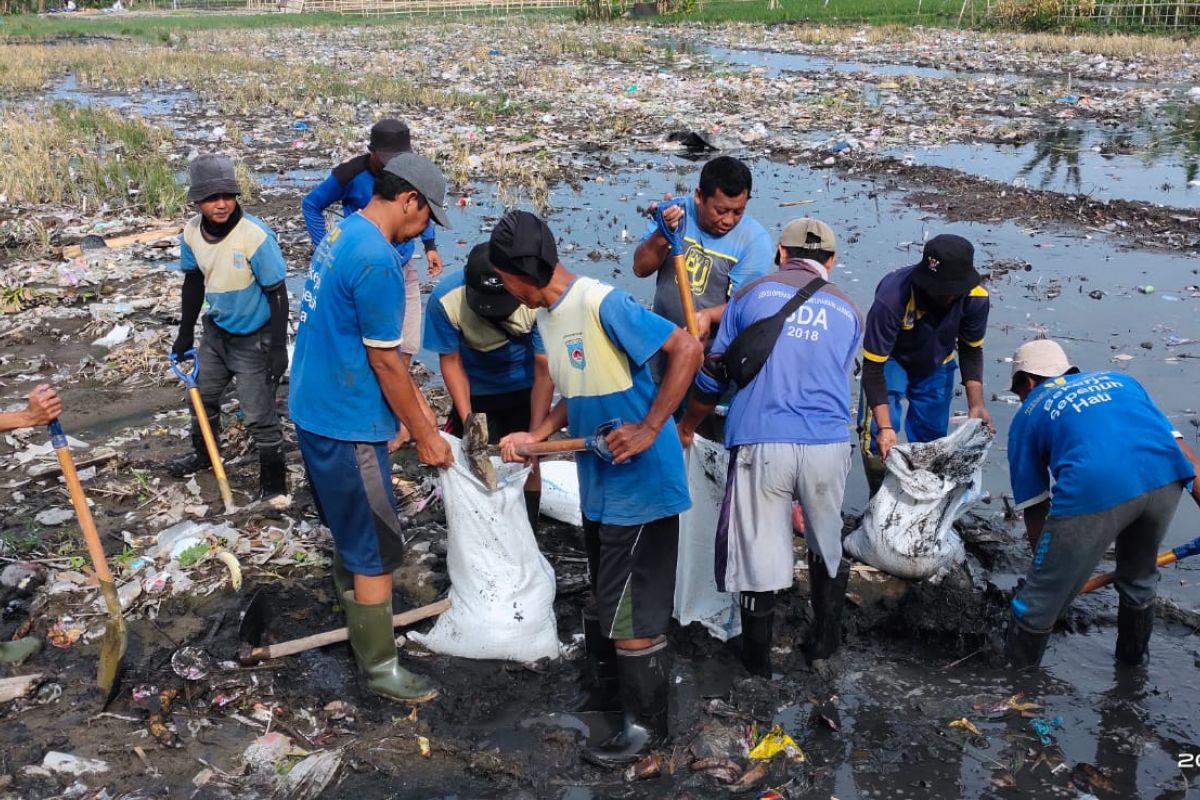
(1082, 213)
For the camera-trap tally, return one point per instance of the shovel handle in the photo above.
(1100, 581)
(552, 448)
(341, 634)
(210, 444)
(87, 524)
(684, 281)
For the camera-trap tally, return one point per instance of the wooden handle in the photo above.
(210, 443)
(552, 448)
(679, 262)
(342, 634)
(1100, 581)
(86, 524)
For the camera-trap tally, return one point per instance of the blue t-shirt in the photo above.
(353, 299)
(497, 357)
(1101, 438)
(598, 343)
(237, 271)
(717, 265)
(351, 184)
(918, 339)
(802, 393)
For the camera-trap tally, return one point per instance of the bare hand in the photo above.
(45, 405)
(686, 435)
(399, 440)
(629, 440)
(434, 259)
(704, 326)
(671, 215)
(981, 413)
(885, 440)
(434, 451)
(510, 443)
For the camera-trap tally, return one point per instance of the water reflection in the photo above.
(1056, 151)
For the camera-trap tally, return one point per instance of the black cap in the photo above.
(486, 294)
(947, 266)
(522, 244)
(389, 137)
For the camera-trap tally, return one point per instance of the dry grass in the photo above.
(1123, 46)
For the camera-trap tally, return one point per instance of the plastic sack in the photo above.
(501, 586)
(696, 595)
(560, 492)
(908, 530)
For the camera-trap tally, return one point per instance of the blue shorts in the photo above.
(352, 489)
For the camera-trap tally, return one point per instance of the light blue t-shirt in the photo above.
(1102, 439)
(802, 393)
(598, 343)
(237, 270)
(497, 357)
(717, 265)
(353, 299)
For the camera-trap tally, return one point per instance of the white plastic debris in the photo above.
(67, 764)
(560, 492)
(908, 530)
(696, 595)
(501, 586)
(118, 335)
(54, 516)
(310, 777)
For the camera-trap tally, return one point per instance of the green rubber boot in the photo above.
(343, 579)
(374, 646)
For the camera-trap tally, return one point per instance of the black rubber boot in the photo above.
(645, 688)
(828, 598)
(272, 473)
(1134, 626)
(373, 642)
(600, 674)
(758, 618)
(189, 463)
(1024, 648)
(533, 506)
(875, 470)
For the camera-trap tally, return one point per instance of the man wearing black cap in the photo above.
(921, 316)
(233, 261)
(351, 183)
(349, 389)
(599, 342)
(490, 355)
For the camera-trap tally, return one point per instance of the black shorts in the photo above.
(506, 413)
(632, 569)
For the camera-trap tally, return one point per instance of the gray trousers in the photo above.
(225, 357)
(1071, 547)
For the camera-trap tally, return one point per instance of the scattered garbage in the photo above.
(560, 492)
(908, 530)
(54, 516)
(1043, 728)
(773, 743)
(67, 764)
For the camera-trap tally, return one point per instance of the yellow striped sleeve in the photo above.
(978, 343)
(867, 354)
(979, 291)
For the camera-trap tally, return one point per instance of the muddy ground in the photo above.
(842, 139)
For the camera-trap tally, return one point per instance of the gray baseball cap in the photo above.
(424, 176)
(210, 174)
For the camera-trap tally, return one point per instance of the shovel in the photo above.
(258, 615)
(210, 442)
(1169, 557)
(679, 263)
(112, 646)
(475, 438)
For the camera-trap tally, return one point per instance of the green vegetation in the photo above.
(875, 12)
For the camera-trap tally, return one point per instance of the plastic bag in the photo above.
(908, 529)
(696, 595)
(501, 586)
(560, 492)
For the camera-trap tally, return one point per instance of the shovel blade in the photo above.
(255, 619)
(112, 645)
(475, 443)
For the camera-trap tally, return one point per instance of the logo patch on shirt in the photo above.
(575, 352)
(699, 267)
(239, 259)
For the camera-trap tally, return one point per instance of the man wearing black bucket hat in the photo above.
(922, 316)
(490, 355)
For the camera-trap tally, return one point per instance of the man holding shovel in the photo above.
(599, 342)
(491, 357)
(349, 388)
(233, 261)
(43, 407)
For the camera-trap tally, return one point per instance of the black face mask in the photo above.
(219, 231)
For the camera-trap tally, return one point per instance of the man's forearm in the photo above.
(698, 409)
(1035, 522)
(400, 391)
(650, 255)
(458, 385)
(974, 390)
(542, 394)
(555, 421)
(684, 354)
(883, 416)
(12, 420)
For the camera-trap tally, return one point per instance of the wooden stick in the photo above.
(686, 299)
(552, 447)
(71, 251)
(210, 443)
(257, 654)
(12, 688)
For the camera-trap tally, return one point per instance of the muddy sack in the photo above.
(908, 530)
(696, 595)
(560, 492)
(501, 586)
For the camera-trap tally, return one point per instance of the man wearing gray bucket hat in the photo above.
(233, 260)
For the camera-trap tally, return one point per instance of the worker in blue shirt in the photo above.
(1118, 471)
(922, 316)
(351, 184)
(788, 434)
(599, 342)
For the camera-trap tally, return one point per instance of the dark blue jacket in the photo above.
(352, 184)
